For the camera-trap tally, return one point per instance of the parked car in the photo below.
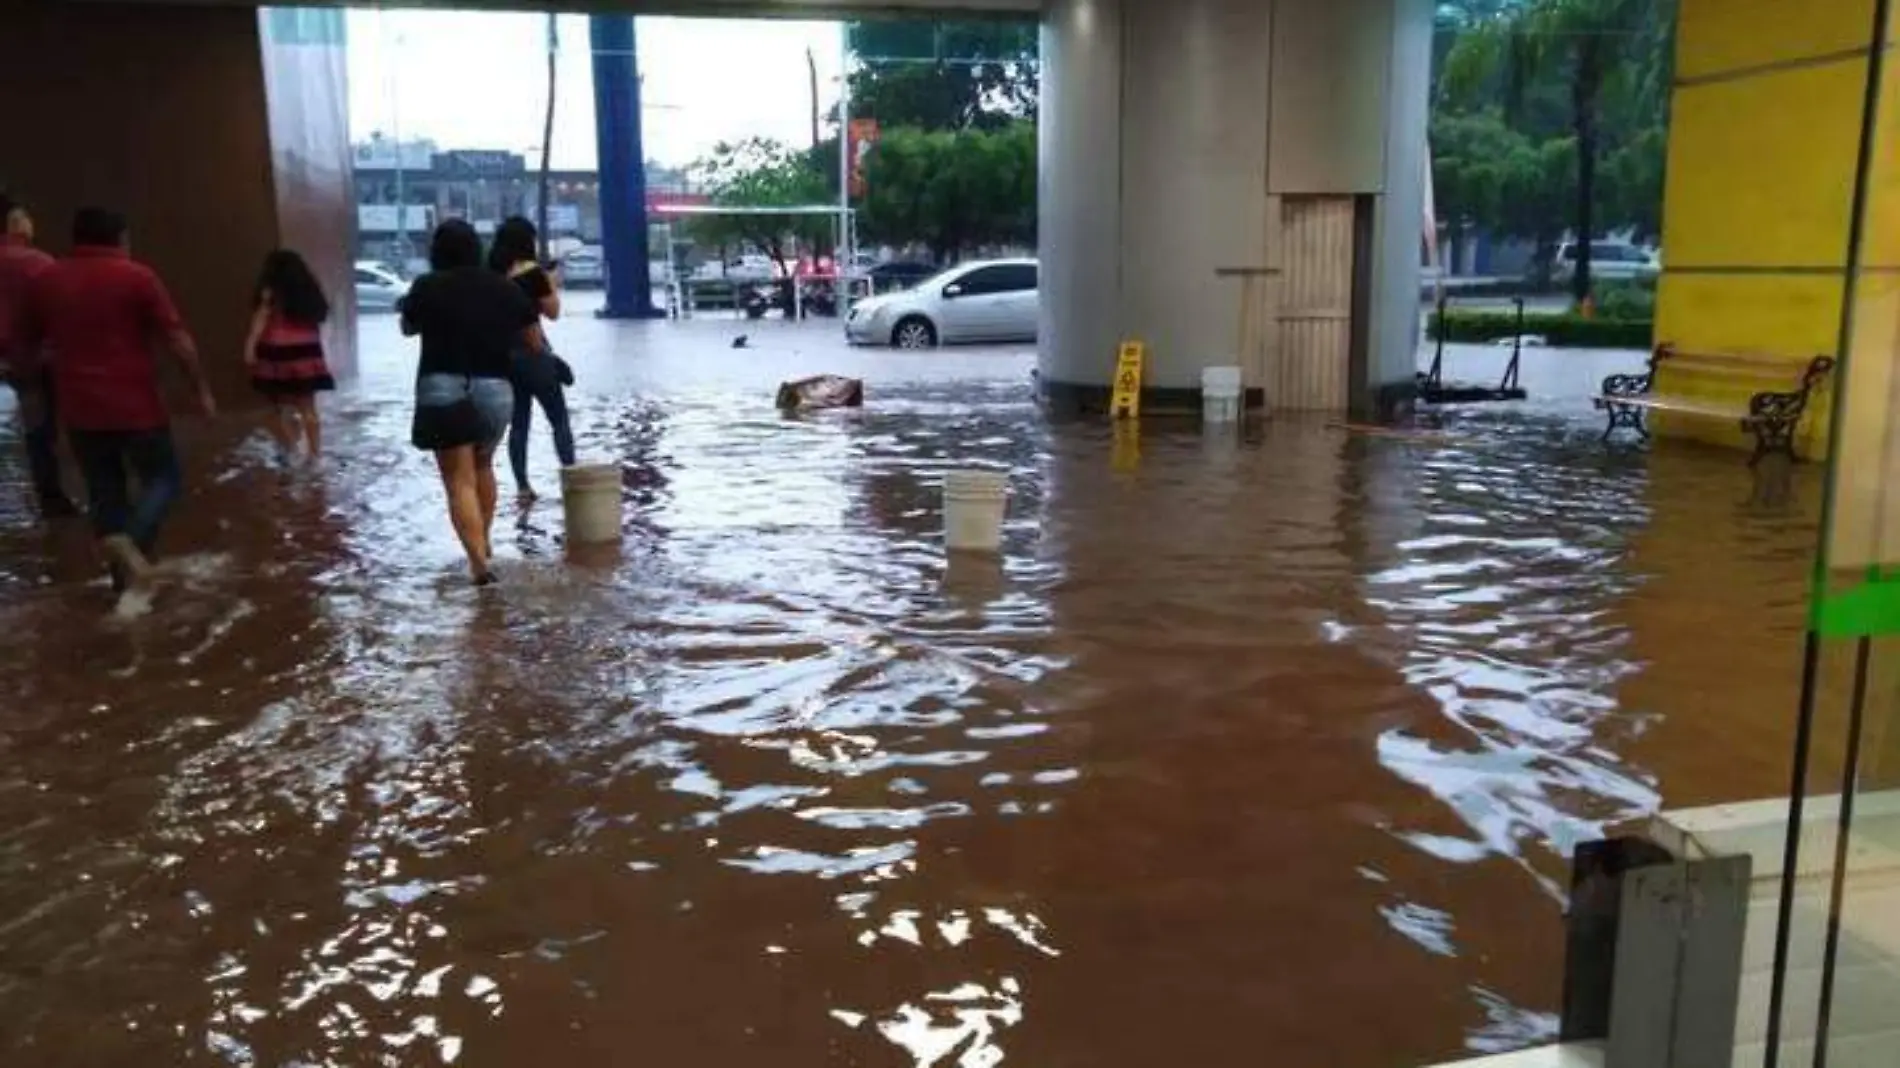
(991, 300)
(753, 267)
(377, 287)
(1608, 260)
(898, 274)
(583, 267)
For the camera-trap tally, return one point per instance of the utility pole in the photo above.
(845, 236)
(547, 141)
(811, 65)
(395, 123)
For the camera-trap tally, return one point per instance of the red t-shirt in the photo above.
(19, 263)
(99, 314)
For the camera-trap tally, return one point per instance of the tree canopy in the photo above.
(954, 167)
(1522, 84)
(761, 173)
(943, 75)
(951, 191)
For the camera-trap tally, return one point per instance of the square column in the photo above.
(1191, 146)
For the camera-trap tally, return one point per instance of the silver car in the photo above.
(377, 287)
(585, 266)
(1609, 260)
(991, 300)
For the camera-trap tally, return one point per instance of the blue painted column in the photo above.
(623, 176)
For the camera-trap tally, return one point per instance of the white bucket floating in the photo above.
(973, 504)
(1220, 394)
(590, 502)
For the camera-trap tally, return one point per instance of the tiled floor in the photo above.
(1864, 1018)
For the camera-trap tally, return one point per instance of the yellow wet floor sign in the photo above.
(1126, 402)
(1125, 455)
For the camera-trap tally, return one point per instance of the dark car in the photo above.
(898, 274)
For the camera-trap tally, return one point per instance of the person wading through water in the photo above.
(539, 375)
(26, 369)
(470, 320)
(100, 312)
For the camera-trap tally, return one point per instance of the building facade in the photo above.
(483, 186)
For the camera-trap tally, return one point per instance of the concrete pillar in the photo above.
(1174, 134)
(307, 102)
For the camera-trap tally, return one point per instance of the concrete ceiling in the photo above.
(796, 9)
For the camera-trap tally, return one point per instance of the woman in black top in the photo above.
(471, 321)
(538, 374)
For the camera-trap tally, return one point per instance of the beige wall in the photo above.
(1331, 74)
(1193, 166)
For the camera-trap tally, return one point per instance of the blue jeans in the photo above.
(107, 457)
(536, 382)
(42, 438)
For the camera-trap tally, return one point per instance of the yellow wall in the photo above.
(1764, 135)
(1865, 526)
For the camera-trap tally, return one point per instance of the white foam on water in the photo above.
(195, 569)
(135, 603)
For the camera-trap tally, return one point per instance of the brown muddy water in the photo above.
(1245, 751)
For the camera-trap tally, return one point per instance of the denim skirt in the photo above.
(453, 410)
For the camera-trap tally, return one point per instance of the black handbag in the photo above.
(562, 372)
(448, 426)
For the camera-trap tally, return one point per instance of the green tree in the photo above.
(1469, 151)
(1589, 51)
(760, 173)
(943, 75)
(1488, 174)
(1537, 189)
(1630, 183)
(952, 191)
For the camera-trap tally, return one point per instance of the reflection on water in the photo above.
(1239, 735)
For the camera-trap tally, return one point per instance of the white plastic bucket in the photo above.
(590, 502)
(1220, 394)
(973, 503)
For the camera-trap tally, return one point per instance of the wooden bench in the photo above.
(1771, 415)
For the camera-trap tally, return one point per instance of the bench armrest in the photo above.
(1776, 407)
(1628, 385)
(1779, 407)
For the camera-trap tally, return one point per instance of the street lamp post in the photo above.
(845, 237)
(395, 123)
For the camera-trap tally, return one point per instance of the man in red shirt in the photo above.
(100, 314)
(21, 367)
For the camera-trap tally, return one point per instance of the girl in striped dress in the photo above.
(284, 352)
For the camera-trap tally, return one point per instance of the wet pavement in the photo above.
(1262, 749)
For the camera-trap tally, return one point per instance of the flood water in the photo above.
(1264, 750)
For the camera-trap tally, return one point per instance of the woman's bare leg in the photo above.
(281, 430)
(457, 466)
(312, 425)
(487, 493)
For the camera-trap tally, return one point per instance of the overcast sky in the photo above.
(478, 80)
